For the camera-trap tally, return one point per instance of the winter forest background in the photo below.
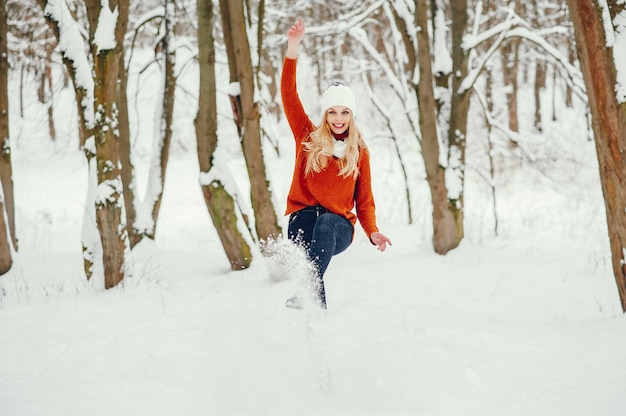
(145, 167)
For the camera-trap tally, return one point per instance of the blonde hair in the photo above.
(320, 148)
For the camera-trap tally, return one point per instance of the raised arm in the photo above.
(292, 106)
(294, 37)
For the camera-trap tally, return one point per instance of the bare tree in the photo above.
(166, 54)
(106, 68)
(510, 52)
(127, 173)
(241, 71)
(608, 116)
(45, 92)
(431, 65)
(7, 208)
(446, 234)
(165, 58)
(74, 57)
(96, 86)
(219, 202)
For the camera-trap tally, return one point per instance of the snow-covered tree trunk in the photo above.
(600, 31)
(407, 64)
(7, 209)
(445, 233)
(90, 236)
(219, 201)
(108, 21)
(74, 55)
(127, 172)
(240, 63)
(457, 130)
(166, 55)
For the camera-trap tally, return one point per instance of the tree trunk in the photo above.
(235, 100)
(106, 67)
(509, 73)
(269, 70)
(92, 246)
(44, 92)
(5, 157)
(82, 91)
(540, 76)
(163, 128)
(444, 225)
(127, 172)
(47, 81)
(459, 108)
(220, 204)
(571, 54)
(608, 123)
(540, 83)
(510, 63)
(6, 168)
(266, 222)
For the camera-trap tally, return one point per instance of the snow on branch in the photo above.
(470, 42)
(73, 49)
(615, 33)
(154, 13)
(493, 123)
(512, 28)
(359, 34)
(345, 23)
(406, 12)
(572, 72)
(108, 192)
(474, 72)
(104, 37)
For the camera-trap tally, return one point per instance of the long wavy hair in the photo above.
(320, 149)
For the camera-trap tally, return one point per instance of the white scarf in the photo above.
(339, 148)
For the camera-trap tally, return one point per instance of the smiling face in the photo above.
(338, 119)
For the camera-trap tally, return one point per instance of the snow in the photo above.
(234, 89)
(527, 322)
(104, 36)
(615, 33)
(107, 190)
(73, 48)
(619, 46)
(443, 60)
(526, 327)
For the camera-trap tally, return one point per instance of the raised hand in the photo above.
(296, 32)
(294, 37)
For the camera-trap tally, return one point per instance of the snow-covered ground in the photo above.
(524, 323)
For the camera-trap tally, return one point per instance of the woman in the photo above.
(331, 174)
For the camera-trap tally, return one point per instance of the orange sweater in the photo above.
(326, 188)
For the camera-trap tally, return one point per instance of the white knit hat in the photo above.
(339, 96)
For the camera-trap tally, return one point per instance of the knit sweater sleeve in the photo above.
(292, 106)
(365, 206)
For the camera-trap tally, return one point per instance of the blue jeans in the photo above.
(323, 234)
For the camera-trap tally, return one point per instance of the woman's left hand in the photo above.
(380, 240)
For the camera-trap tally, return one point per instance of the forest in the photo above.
(145, 163)
(425, 68)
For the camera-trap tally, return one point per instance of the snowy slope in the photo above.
(513, 326)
